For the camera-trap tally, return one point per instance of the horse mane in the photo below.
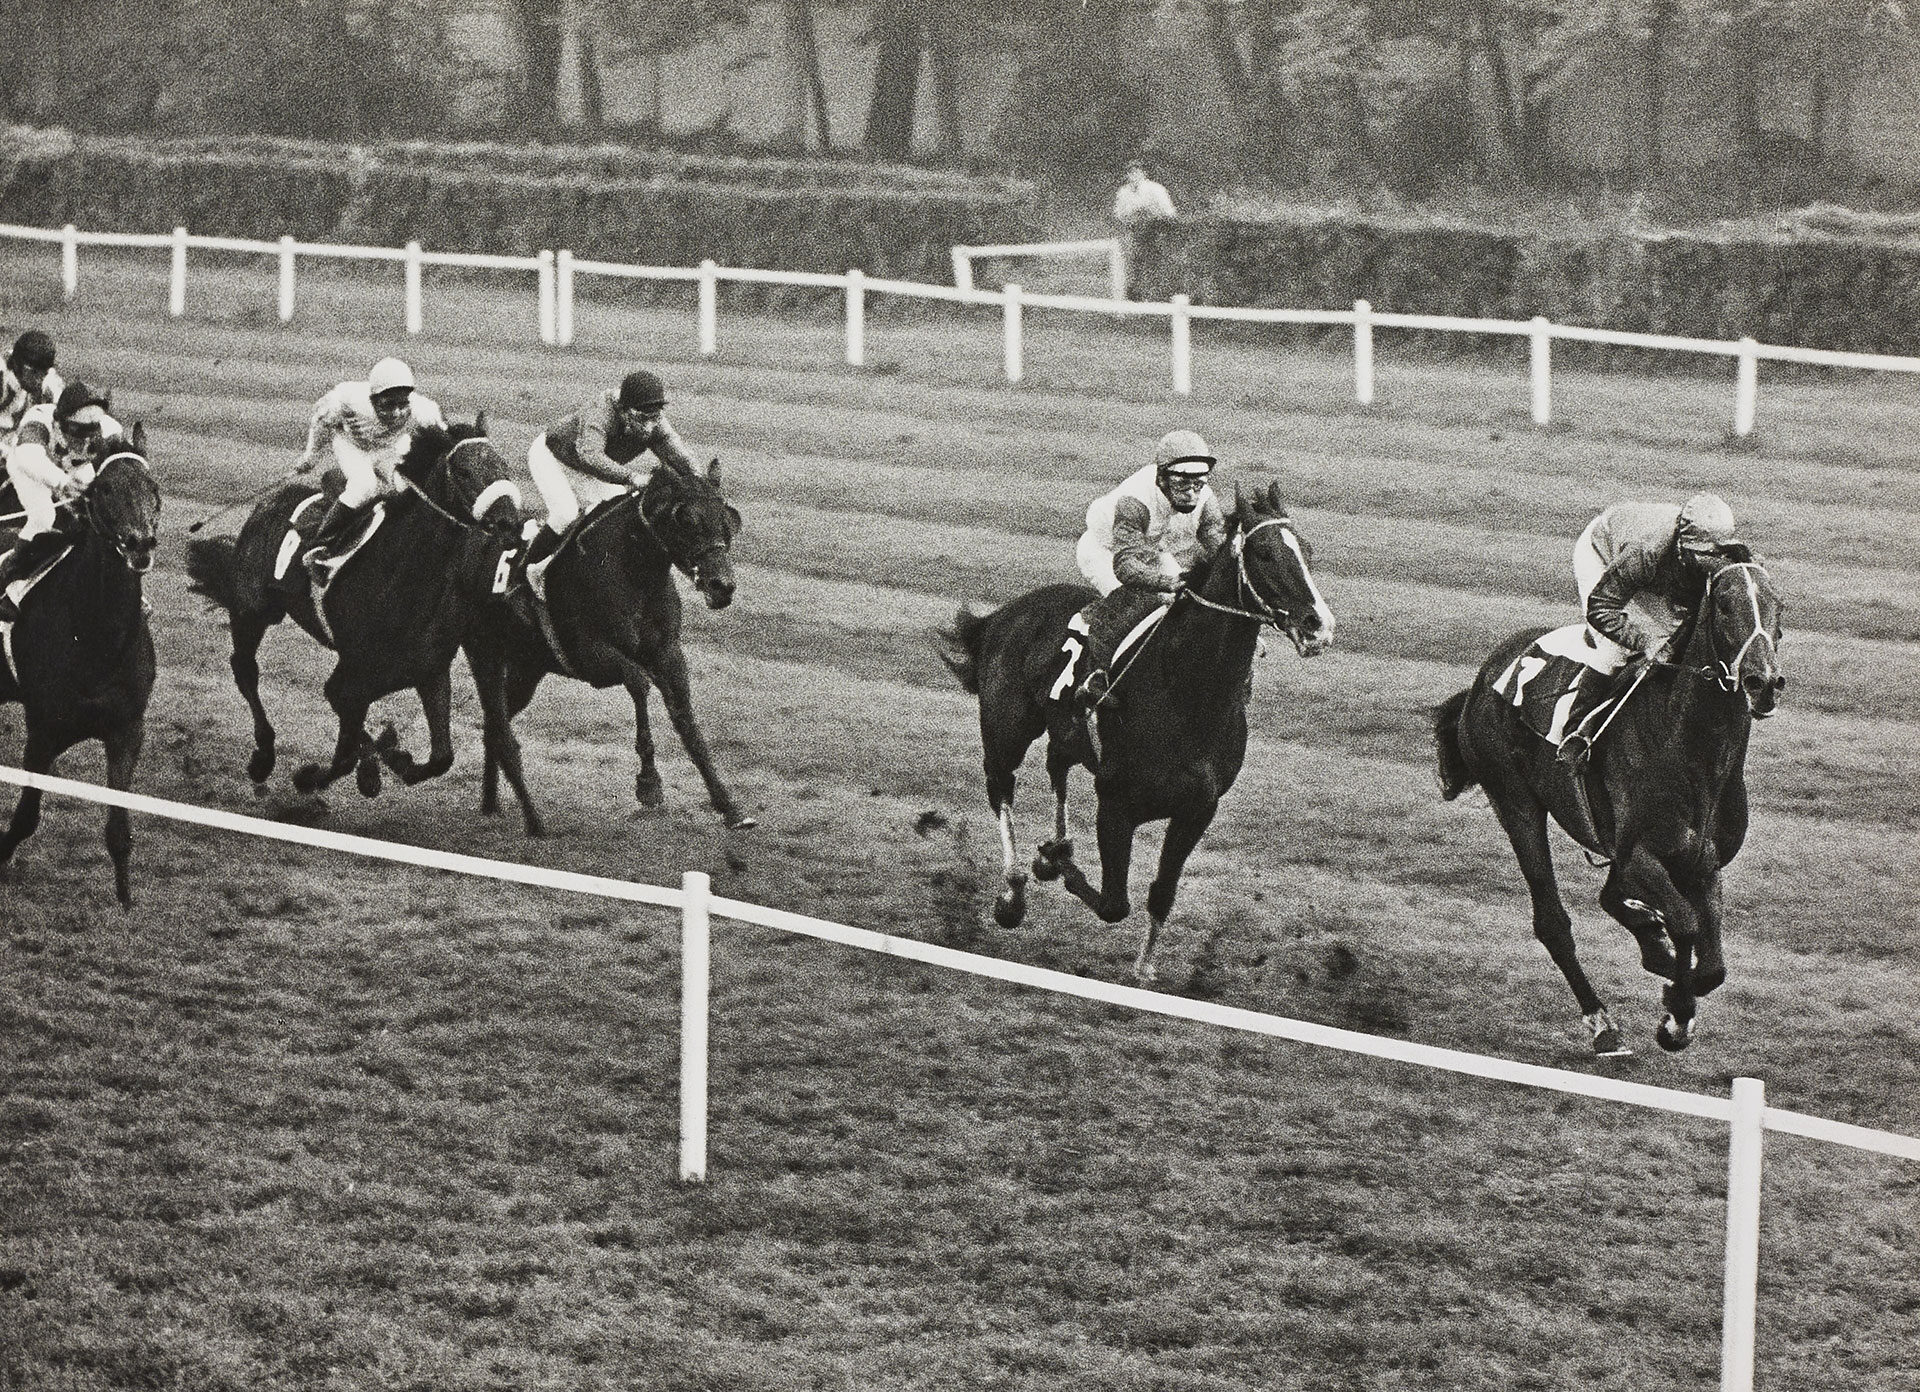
(430, 444)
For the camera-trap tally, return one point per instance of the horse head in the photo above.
(1274, 572)
(122, 504)
(1738, 626)
(457, 469)
(694, 524)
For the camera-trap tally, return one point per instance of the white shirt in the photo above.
(348, 410)
(1142, 202)
(15, 399)
(1175, 534)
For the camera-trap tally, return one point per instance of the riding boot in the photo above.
(541, 550)
(25, 558)
(1109, 620)
(340, 523)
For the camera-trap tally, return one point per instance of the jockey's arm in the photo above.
(1137, 562)
(327, 418)
(1211, 530)
(1630, 573)
(668, 447)
(28, 458)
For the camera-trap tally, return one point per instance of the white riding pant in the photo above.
(369, 474)
(1588, 566)
(566, 492)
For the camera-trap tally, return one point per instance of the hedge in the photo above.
(1802, 288)
(258, 188)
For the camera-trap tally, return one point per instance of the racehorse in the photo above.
(80, 658)
(397, 610)
(615, 620)
(1173, 728)
(1662, 797)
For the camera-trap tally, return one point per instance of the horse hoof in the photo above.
(1010, 909)
(1673, 1036)
(309, 778)
(535, 827)
(260, 765)
(1609, 1044)
(647, 792)
(1145, 975)
(367, 778)
(387, 740)
(740, 821)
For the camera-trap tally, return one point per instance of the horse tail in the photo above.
(211, 569)
(962, 642)
(1455, 777)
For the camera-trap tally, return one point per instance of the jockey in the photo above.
(27, 379)
(1141, 540)
(586, 458)
(50, 459)
(370, 425)
(1642, 567)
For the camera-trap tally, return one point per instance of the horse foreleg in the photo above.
(646, 783)
(1010, 906)
(123, 753)
(1525, 822)
(1629, 887)
(37, 757)
(669, 671)
(494, 679)
(1693, 918)
(1049, 856)
(351, 750)
(248, 630)
(1183, 834)
(1110, 902)
(436, 702)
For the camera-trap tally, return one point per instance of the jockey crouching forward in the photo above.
(584, 459)
(1641, 569)
(1140, 542)
(370, 424)
(27, 379)
(50, 460)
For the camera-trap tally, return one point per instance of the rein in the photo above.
(497, 487)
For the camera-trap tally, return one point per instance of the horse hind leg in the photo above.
(248, 629)
(1525, 821)
(1010, 905)
(1051, 856)
(37, 757)
(123, 753)
(436, 701)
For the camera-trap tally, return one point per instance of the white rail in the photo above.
(1746, 1113)
(559, 272)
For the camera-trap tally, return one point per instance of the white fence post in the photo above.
(549, 331)
(709, 308)
(563, 298)
(177, 282)
(69, 261)
(856, 318)
(1182, 346)
(413, 287)
(1540, 365)
(1117, 270)
(1746, 393)
(962, 269)
(1743, 1235)
(694, 942)
(1010, 299)
(286, 279)
(1363, 352)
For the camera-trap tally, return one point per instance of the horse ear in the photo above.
(733, 517)
(1275, 503)
(1242, 503)
(138, 438)
(480, 421)
(713, 473)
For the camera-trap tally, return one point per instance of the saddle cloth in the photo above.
(293, 543)
(1557, 683)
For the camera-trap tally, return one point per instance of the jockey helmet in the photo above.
(642, 390)
(389, 375)
(1706, 525)
(76, 400)
(1183, 453)
(33, 350)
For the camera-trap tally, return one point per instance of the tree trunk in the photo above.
(946, 83)
(536, 26)
(804, 44)
(1512, 133)
(1225, 45)
(896, 80)
(593, 108)
(1660, 28)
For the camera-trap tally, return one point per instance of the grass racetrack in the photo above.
(298, 1121)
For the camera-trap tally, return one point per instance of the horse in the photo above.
(1661, 799)
(1172, 731)
(81, 654)
(394, 614)
(613, 618)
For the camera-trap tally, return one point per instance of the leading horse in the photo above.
(1662, 798)
(613, 619)
(396, 611)
(1173, 729)
(80, 658)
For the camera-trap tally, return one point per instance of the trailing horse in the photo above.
(80, 658)
(1662, 797)
(612, 619)
(395, 611)
(1173, 728)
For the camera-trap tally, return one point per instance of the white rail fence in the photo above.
(558, 272)
(1746, 1113)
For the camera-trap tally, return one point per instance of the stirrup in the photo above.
(1093, 690)
(1574, 750)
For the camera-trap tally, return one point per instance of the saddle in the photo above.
(1559, 686)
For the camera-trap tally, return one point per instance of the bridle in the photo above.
(487, 497)
(690, 567)
(84, 509)
(1263, 611)
(1726, 674)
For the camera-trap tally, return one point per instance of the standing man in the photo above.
(370, 424)
(1136, 203)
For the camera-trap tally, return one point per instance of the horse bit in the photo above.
(1266, 613)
